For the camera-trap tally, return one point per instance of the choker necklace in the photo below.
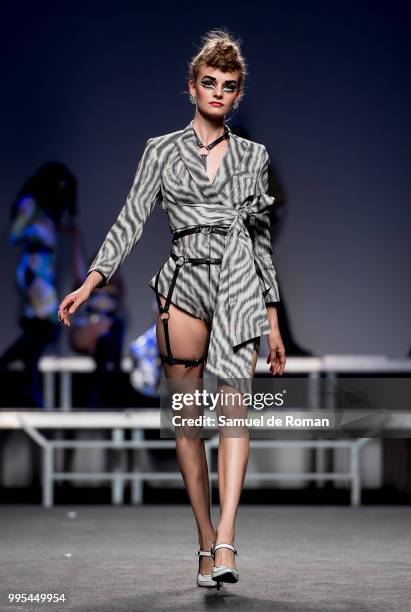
(207, 148)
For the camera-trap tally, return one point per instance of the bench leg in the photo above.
(355, 475)
(47, 476)
(117, 487)
(138, 455)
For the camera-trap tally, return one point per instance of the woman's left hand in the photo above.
(276, 356)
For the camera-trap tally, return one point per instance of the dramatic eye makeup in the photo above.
(210, 82)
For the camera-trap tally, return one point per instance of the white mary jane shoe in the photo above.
(204, 580)
(223, 573)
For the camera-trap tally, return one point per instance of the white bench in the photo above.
(138, 421)
(314, 367)
(142, 420)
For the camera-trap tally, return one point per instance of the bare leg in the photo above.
(233, 453)
(189, 340)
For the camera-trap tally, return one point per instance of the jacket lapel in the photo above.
(188, 151)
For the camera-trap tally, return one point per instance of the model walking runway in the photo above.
(217, 290)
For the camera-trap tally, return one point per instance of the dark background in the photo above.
(328, 94)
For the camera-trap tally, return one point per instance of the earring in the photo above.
(192, 99)
(235, 105)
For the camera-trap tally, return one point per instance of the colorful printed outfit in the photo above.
(36, 232)
(36, 275)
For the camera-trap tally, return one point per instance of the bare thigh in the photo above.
(189, 337)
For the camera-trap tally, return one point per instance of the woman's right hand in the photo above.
(71, 303)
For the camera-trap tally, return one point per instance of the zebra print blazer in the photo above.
(171, 169)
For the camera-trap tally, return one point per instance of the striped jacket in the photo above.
(171, 170)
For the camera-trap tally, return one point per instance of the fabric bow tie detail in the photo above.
(240, 307)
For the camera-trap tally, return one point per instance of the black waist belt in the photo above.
(182, 259)
(203, 229)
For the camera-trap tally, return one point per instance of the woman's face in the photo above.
(215, 91)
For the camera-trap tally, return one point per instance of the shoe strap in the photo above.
(216, 546)
(203, 553)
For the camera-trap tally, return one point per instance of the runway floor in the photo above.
(143, 559)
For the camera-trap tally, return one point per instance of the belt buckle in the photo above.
(206, 229)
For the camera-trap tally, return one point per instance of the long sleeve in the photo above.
(126, 231)
(262, 242)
